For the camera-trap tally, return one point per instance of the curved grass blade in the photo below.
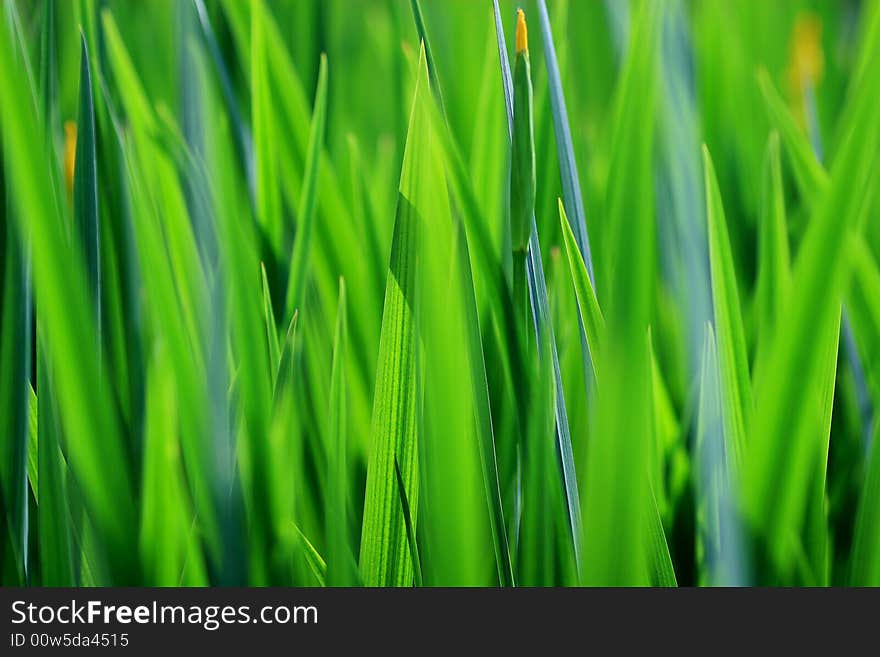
(733, 364)
(305, 215)
(314, 559)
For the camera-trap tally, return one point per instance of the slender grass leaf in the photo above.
(733, 364)
(571, 188)
(617, 457)
(307, 199)
(384, 556)
(865, 560)
(588, 305)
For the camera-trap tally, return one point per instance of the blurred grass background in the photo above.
(263, 322)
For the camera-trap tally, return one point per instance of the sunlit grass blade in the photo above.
(384, 556)
(774, 267)
(305, 215)
(660, 567)
(783, 460)
(265, 135)
(342, 570)
(168, 545)
(733, 364)
(588, 305)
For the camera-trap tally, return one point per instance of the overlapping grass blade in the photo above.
(305, 215)
(85, 185)
(774, 267)
(588, 305)
(781, 466)
(865, 560)
(543, 327)
(733, 364)
(384, 555)
(571, 188)
(342, 570)
(94, 440)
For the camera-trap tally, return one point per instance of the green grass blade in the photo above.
(733, 364)
(811, 178)
(14, 375)
(341, 570)
(544, 331)
(774, 267)
(660, 565)
(571, 189)
(781, 467)
(265, 134)
(243, 140)
(384, 555)
(95, 444)
(56, 548)
(168, 545)
(271, 328)
(588, 305)
(410, 530)
(306, 214)
(85, 185)
(616, 493)
(865, 559)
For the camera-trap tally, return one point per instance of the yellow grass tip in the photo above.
(522, 32)
(69, 154)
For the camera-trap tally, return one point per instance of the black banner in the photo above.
(282, 621)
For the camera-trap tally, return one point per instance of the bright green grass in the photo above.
(303, 293)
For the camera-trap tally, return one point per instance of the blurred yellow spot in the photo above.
(522, 32)
(69, 154)
(806, 61)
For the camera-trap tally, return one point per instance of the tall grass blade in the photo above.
(305, 215)
(384, 555)
(733, 365)
(571, 189)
